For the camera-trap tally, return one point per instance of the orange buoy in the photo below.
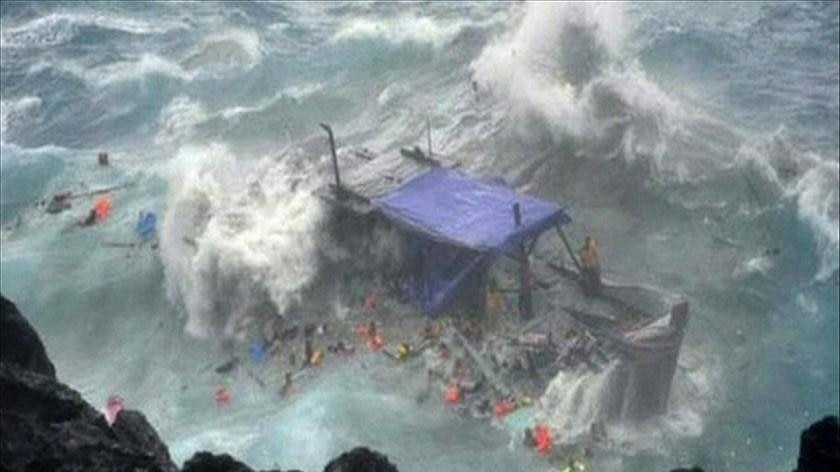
(542, 439)
(502, 408)
(223, 396)
(102, 207)
(452, 394)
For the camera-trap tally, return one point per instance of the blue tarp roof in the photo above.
(450, 207)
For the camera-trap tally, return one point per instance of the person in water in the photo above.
(286, 389)
(90, 220)
(591, 267)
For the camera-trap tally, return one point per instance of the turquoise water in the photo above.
(688, 139)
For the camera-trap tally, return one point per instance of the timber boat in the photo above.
(455, 229)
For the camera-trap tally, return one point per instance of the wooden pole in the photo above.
(526, 309)
(429, 135)
(334, 157)
(569, 248)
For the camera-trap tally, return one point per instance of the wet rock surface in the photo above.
(207, 462)
(360, 459)
(46, 425)
(20, 344)
(819, 447)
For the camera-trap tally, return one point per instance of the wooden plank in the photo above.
(481, 363)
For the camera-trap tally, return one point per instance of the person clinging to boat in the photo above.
(591, 267)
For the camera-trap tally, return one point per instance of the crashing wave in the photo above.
(808, 179)
(564, 66)
(574, 401)
(237, 244)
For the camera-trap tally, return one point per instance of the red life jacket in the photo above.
(542, 438)
(502, 408)
(452, 394)
(222, 396)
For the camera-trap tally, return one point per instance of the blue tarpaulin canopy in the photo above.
(457, 225)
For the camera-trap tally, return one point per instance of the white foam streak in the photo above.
(403, 29)
(177, 122)
(60, 27)
(818, 204)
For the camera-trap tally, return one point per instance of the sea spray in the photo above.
(789, 173)
(562, 72)
(236, 244)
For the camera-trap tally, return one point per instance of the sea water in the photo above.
(688, 139)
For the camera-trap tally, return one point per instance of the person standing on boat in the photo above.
(591, 264)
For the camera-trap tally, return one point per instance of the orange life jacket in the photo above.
(102, 207)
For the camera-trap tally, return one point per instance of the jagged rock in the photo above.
(207, 462)
(819, 447)
(131, 427)
(360, 459)
(48, 426)
(19, 343)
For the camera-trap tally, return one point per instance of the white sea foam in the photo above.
(60, 27)
(227, 51)
(14, 110)
(236, 242)
(402, 29)
(297, 92)
(572, 402)
(177, 121)
(818, 204)
(808, 179)
(216, 56)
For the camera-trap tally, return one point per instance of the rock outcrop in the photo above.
(207, 462)
(819, 447)
(20, 344)
(46, 425)
(360, 459)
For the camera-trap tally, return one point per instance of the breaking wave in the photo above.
(809, 180)
(237, 242)
(563, 72)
